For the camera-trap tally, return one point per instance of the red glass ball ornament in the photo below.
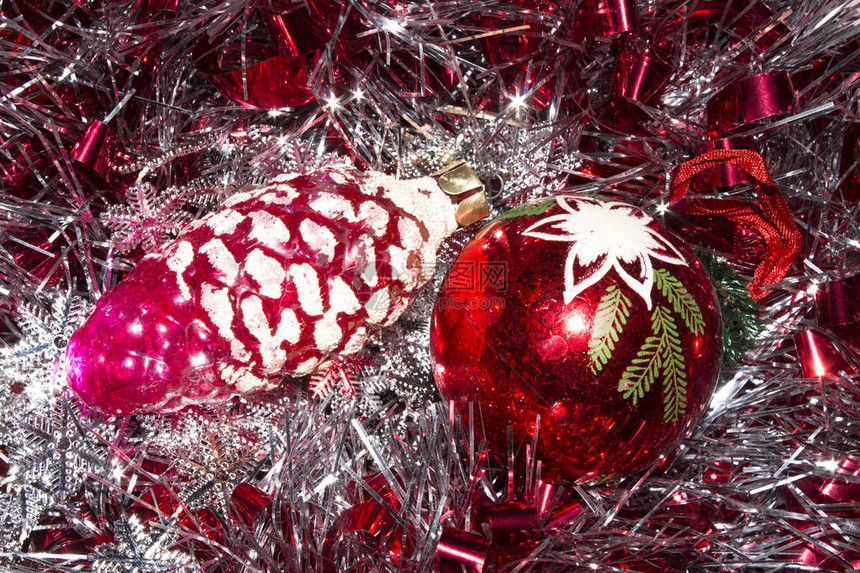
(589, 314)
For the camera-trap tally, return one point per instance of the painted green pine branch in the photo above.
(681, 300)
(642, 371)
(660, 354)
(609, 320)
(674, 372)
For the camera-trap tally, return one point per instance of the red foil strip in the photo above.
(849, 164)
(750, 99)
(417, 77)
(41, 15)
(639, 75)
(144, 56)
(375, 522)
(701, 20)
(770, 216)
(619, 118)
(373, 518)
(838, 305)
(829, 73)
(818, 355)
(604, 18)
(54, 534)
(256, 511)
(95, 156)
(512, 521)
(276, 81)
(835, 497)
(199, 524)
(92, 153)
(148, 8)
(838, 302)
(27, 157)
(842, 489)
(523, 60)
(36, 254)
(815, 559)
(715, 232)
(511, 531)
(545, 496)
(563, 514)
(249, 502)
(756, 18)
(4, 470)
(459, 552)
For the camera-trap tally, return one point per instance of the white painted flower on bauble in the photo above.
(605, 235)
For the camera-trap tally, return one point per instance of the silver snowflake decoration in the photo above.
(51, 449)
(149, 219)
(219, 445)
(34, 364)
(12, 518)
(346, 374)
(48, 454)
(140, 548)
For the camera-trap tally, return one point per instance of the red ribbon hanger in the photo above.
(769, 216)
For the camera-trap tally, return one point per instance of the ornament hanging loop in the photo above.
(769, 214)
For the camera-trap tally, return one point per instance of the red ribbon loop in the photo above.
(770, 216)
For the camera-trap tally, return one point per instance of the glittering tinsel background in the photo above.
(769, 480)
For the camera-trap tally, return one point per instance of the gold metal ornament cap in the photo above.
(466, 190)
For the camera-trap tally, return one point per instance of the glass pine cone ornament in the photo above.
(589, 314)
(278, 282)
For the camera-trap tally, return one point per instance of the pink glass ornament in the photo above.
(280, 281)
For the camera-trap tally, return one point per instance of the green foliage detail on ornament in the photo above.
(643, 370)
(681, 300)
(674, 374)
(529, 209)
(660, 353)
(609, 320)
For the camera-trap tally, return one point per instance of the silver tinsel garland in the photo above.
(79, 492)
